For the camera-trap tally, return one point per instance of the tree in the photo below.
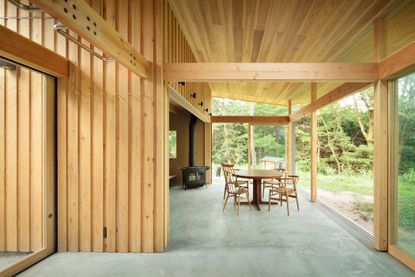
(363, 107)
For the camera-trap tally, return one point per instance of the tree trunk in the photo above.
(331, 147)
(367, 134)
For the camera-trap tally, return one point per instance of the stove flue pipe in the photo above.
(192, 125)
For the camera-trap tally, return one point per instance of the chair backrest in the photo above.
(228, 173)
(283, 171)
(230, 179)
(293, 179)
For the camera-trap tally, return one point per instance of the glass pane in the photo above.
(22, 147)
(345, 157)
(229, 145)
(405, 192)
(302, 151)
(172, 144)
(268, 146)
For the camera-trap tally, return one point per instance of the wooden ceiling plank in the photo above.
(85, 21)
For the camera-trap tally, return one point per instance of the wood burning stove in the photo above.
(194, 176)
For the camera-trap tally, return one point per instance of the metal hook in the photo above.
(61, 29)
(29, 8)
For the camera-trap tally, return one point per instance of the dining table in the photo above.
(257, 175)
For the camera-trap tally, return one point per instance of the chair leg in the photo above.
(239, 203)
(224, 192)
(269, 201)
(296, 199)
(288, 204)
(224, 205)
(280, 195)
(249, 202)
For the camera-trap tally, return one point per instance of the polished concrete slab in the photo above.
(208, 242)
(8, 258)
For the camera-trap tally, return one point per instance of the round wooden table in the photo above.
(257, 175)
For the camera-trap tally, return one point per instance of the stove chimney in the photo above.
(192, 125)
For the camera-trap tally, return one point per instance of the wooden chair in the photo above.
(273, 182)
(234, 189)
(282, 193)
(242, 183)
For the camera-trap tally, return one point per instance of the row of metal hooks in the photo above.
(59, 28)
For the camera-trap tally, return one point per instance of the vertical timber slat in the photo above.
(314, 146)
(380, 159)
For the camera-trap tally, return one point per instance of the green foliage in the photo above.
(358, 184)
(230, 141)
(172, 144)
(342, 146)
(406, 201)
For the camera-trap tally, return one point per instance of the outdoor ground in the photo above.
(351, 196)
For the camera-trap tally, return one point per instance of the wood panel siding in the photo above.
(194, 97)
(110, 141)
(22, 159)
(177, 50)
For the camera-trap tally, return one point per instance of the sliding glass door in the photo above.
(27, 166)
(402, 189)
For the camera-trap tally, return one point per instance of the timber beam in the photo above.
(86, 22)
(334, 95)
(293, 72)
(22, 50)
(279, 120)
(398, 63)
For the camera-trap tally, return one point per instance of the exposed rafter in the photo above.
(398, 63)
(251, 119)
(334, 95)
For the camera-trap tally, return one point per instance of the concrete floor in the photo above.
(7, 258)
(207, 242)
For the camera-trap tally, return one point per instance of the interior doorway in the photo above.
(27, 166)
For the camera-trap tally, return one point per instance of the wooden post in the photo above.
(380, 162)
(208, 151)
(290, 142)
(249, 146)
(314, 148)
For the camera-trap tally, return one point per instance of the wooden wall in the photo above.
(21, 159)
(21, 148)
(177, 49)
(111, 169)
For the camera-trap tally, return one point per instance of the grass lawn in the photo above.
(359, 184)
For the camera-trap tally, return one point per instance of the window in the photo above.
(172, 144)
(403, 166)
